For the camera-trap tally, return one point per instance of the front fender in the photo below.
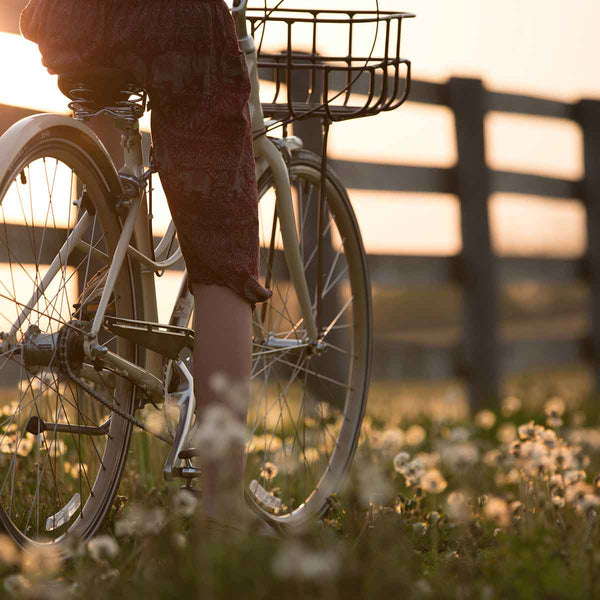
(19, 138)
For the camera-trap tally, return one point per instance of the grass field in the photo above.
(437, 506)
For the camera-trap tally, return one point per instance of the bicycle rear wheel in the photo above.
(61, 452)
(307, 402)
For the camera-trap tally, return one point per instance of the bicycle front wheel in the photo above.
(61, 451)
(307, 401)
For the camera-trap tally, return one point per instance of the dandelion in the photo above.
(420, 528)
(392, 440)
(412, 471)
(492, 458)
(139, 522)
(557, 498)
(549, 438)
(485, 419)
(460, 456)
(311, 455)
(179, 540)
(457, 507)
(373, 485)
(415, 435)
(496, 509)
(459, 434)
(400, 460)
(529, 431)
(9, 553)
(219, 432)
(184, 503)
(296, 561)
(41, 560)
(510, 405)
(555, 407)
(506, 433)
(432, 482)
(102, 548)
(573, 476)
(429, 460)
(576, 494)
(16, 584)
(269, 471)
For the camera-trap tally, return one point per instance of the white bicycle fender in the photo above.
(17, 139)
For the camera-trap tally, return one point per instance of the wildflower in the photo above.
(510, 405)
(556, 481)
(296, 561)
(549, 438)
(557, 498)
(563, 458)
(415, 435)
(457, 507)
(485, 419)
(269, 471)
(492, 458)
(400, 460)
(433, 517)
(575, 494)
(184, 503)
(373, 485)
(102, 548)
(16, 584)
(506, 433)
(41, 560)
(459, 434)
(429, 460)
(554, 422)
(496, 509)
(139, 522)
(460, 456)
(555, 407)
(420, 528)
(573, 476)
(412, 471)
(219, 432)
(9, 553)
(155, 422)
(515, 508)
(392, 440)
(432, 482)
(529, 431)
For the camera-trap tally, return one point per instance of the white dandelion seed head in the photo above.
(102, 548)
(184, 503)
(296, 561)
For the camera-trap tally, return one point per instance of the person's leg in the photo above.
(222, 346)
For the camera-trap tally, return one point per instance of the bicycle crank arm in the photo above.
(184, 400)
(35, 425)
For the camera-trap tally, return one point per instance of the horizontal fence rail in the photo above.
(479, 352)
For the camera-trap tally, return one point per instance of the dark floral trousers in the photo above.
(185, 53)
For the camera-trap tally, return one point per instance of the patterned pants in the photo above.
(185, 53)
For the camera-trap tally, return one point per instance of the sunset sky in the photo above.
(533, 46)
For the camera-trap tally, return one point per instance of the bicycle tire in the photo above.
(67, 464)
(327, 411)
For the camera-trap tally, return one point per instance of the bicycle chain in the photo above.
(65, 337)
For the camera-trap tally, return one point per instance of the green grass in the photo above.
(507, 535)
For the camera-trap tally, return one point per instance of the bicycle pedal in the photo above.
(187, 472)
(189, 453)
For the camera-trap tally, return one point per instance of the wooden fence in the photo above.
(479, 357)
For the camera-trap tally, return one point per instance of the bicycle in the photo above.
(82, 349)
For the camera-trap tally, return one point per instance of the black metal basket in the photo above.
(344, 84)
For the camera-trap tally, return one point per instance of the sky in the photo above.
(535, 47)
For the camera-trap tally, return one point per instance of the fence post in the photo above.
(588, 115)
(467, 98)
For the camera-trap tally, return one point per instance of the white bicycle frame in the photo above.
(135, 243)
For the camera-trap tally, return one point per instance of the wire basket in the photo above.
(335, 64)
